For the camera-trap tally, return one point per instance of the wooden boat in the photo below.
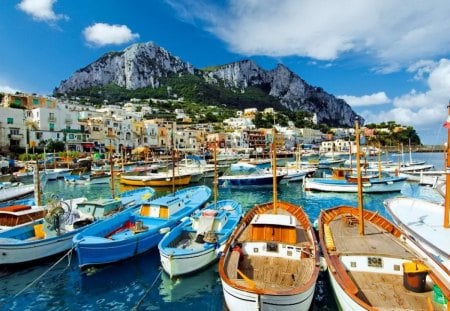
(373, 265)
(341, 182)
(138, 230)
(155, 180)
(271, 261)
(53, 234)
(194, 243)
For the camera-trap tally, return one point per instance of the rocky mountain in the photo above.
(148, 65)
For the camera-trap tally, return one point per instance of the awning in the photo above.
(87, 145)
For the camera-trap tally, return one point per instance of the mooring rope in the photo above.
(136, 307)
(45, 272)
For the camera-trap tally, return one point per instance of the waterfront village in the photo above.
(29, 121)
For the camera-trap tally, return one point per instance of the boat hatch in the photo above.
(274, 228)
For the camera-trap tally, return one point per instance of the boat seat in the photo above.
(350, 220)
(233, 263)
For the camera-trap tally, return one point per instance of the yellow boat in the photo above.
(155, 180)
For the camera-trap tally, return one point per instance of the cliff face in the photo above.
(292, 91)
(145, 64)
(140, 65)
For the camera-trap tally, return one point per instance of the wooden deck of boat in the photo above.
(275, 273)
(382, 291)
(375, 241)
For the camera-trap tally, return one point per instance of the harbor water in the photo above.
(139, 283)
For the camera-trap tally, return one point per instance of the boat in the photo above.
(341, 181)
(15, 190)
(98, 178)
(53, 234)
(156, 179)
(194, 243)
(137, 230)
(426, 222)
(373, 265)
(246, 175)
(271, 261)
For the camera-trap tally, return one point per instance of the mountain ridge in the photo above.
(144, 65)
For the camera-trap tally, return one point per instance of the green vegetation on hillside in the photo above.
(390, 134)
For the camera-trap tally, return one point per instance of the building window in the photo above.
(10, 121)
(52, 127)
(38, 135)
(35, 102)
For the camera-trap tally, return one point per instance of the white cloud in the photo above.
(379, 98)
(8, 89)
(103, 34)
(40, 9)
(393, 33)
(425, 111)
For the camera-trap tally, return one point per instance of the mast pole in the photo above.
(111, 169)
(173, 157)
(447, 177)
(359, 178)
(274, 171)
(215, 175)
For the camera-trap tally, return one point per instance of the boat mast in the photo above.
(447, 178)
(37, 184)
(215, 183)
(111, 169)
(173, 157)
(359, 178)
(274, 171)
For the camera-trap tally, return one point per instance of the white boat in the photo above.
(53, 234)
(426, 222)
(194, 243)
(423, 221)
(373, 265)
(271, 261)
(15, 191)
(343, 181)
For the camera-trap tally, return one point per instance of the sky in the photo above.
(389, 60)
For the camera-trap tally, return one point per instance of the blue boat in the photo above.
(53, 234)
(195, 242)
(136, 231)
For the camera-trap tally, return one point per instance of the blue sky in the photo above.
(390, 60)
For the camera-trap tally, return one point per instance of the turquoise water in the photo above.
(139, 284)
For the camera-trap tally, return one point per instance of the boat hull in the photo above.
(237, 299)
(317, 184)
(27, 251)
(157, 182)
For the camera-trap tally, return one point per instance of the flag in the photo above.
(447, 123)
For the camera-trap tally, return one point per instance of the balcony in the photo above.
(15, 136)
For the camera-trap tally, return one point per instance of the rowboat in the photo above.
(194, 243)
(136, 231)
(373, 265)
(271, 261)
(53, 234)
